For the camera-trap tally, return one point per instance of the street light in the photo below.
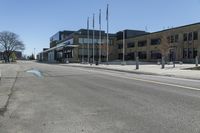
(174, 55)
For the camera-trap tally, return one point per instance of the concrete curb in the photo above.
(135, 72)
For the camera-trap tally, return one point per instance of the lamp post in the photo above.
(174, 56)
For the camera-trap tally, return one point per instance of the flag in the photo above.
(88, 23)
(107, 13)
(99, 16)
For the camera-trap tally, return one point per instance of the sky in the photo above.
(35, 21)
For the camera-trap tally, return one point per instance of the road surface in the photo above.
(79, 100)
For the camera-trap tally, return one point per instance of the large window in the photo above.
(185, 37)
(155, 41)
(120, 55)
(120, 46)
(172, 39)
(195, 35)
(190, 36)
(190, 53)
(131, 45)
(142, 55)
(185, 53)
(194, 53)
(168, 39)
(155, 55)
(130, 56)
(142, 43)
(176, 38)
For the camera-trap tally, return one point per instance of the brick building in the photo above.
(180, 43)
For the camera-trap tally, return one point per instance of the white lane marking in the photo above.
(144, 80)
(167, 84)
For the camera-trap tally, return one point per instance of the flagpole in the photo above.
(88, 36)
(99, 35)
(93, 38)
(107, 33)
(123, 46)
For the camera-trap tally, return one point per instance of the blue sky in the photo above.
(37, 20)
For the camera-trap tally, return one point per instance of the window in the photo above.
(176, 38)
(131, 44)
(111, 42)
(120, 55)
(172, 39)
(130, 56)
(190, 36)
(168, 39)
(190, 53)
(155, 41)
(142, 43)
(120, 46)
(195, 35)
(155, 55)
(142, 55)
(194, 53)
(185, 53)
(185, 37)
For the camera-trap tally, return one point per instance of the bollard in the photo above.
(174, 64)
(137, 62)
(163, 62)
(197, 61)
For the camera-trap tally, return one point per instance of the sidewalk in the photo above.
(151, 69)
(8, 75)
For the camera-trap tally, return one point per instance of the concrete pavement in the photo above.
(75, 100)
(150, 69)
(8, 77)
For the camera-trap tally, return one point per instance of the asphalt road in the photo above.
(79, 100)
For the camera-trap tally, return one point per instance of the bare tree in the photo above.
(164, 48)
(165, 45)
(10, 42)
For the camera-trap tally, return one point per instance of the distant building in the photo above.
(75, 46)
